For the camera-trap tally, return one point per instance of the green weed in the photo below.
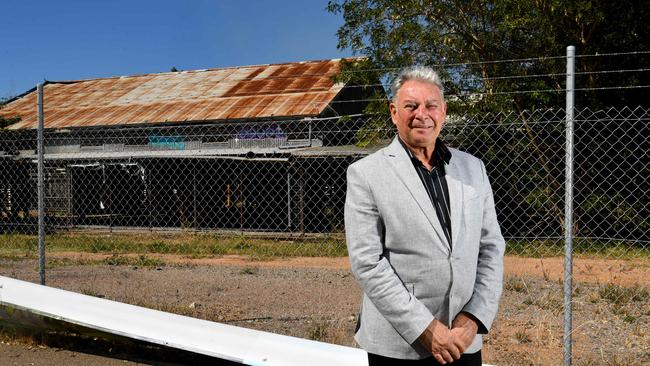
(158, 247)
(139, 261)
(522, 337)
(248, 271)
(516, 284)
(195, 245)
(318, 332)
(588, 248)
(620, 295)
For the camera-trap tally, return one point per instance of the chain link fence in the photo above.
(147, 196)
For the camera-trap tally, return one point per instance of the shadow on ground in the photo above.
(23, 325)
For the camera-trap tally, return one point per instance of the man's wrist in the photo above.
(427, 334)
(467, 320)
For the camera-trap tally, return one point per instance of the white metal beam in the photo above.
(246, 346)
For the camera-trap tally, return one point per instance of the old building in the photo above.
(260, 148)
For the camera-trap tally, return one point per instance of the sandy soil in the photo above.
(620, 272)
(318, 298)
(23, 353)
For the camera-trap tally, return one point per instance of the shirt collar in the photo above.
(441, 153)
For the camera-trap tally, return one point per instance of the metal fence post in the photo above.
(289, 199)
(40, 186)
(568, 205)
(195, 219)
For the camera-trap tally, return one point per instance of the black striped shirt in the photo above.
(435, 183)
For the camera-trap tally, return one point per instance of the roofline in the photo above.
(183, 71)
(45, 82)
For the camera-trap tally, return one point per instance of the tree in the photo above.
(4, 122)
(506, 56)
(461, 35)
(361, 74)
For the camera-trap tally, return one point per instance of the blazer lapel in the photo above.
(455, 199)
(400, 162)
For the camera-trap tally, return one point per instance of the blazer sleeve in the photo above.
(489, 273)
(365, 240)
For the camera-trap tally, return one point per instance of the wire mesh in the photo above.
(176, 194)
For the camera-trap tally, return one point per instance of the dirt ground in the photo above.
(317, 298)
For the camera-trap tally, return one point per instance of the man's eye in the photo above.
(410, 106)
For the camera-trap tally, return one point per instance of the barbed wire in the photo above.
(385, 85)
(354, 71)
(614, 54)
(529, 59)
(611, 71)
(288, 91)
(270, 103)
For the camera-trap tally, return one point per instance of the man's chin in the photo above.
(422, 142)
(424, 137)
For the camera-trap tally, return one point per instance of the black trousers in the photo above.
(466, 359)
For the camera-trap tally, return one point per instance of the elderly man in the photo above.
(423, 238)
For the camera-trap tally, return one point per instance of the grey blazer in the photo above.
(401, 258)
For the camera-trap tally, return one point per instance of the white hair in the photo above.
(420, 73)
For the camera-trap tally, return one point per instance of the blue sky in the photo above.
(81, 39)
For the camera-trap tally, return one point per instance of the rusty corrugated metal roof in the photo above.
(299, 89)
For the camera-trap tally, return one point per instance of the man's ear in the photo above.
(393, 111)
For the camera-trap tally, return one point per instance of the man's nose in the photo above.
(421, 112)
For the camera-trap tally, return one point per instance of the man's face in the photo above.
(418, 113)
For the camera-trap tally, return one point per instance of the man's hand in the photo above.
(438, 340)
(463, 331)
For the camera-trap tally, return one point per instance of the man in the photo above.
(423, 238)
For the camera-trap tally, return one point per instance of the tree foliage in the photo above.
(507, 57)
(462, 35)
(4, 122)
